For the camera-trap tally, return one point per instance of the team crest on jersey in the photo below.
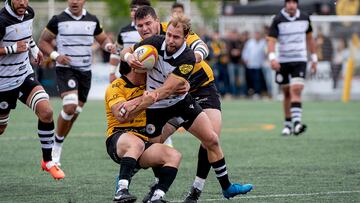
(4, 105)
(186, 68)
(71, 83)
(150, 129)
(279, 78)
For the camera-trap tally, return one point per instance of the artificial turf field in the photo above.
(323, 165)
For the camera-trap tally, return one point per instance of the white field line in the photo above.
(278, 196)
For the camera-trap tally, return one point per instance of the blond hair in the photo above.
(183, 21)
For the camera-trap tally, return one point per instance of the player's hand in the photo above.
(125, 109)
(275, 65)
(21, 46)
(198, 57)
(40, 58)
(112, 77)
(111, 48)
(62, 59)
(134, 62)
(313, 68)
(183, 89)
(150, 97)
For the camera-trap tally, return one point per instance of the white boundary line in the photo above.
(277, 196)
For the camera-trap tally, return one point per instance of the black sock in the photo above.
(46, 136)
(296, 112)
(156, 171)
(167, 176)
(287, 123)
(127, 166)
(203, 165)
(221, 173)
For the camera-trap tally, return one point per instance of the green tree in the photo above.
(208, 10)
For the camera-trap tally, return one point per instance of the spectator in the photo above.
(254, 57)
(341, 56)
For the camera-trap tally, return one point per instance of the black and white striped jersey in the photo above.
(128, 36)
(14, 68)
(181, 64)
(291, 35)
(75, 36)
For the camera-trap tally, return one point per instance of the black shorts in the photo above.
(292, 72)
(207, 97)
(187, 110)
(9, 98)
(111, 146)
(69, 79)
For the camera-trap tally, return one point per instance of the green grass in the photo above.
(321, 166)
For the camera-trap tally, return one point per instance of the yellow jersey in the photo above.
(202, 73)
(122, 90)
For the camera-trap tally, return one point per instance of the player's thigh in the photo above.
(84, 81)
(66, 81)
(203, 129)
(215, 119)
(36, 98)
(158, 155)
(129, 143)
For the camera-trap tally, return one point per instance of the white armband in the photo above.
(11, 49)
(34, 49)
(272, 56)
(314, 58)
(107, 47)
(54, 55)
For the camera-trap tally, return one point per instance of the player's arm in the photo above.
(199, 47)
(271, 41)
(115, 59)
(312, 47)
(105, 43)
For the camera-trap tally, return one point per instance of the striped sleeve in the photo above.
(197, 45)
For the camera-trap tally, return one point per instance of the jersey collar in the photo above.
(176, 54)
(287, 16)
(67, 10)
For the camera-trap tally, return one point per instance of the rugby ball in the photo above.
(147, 55)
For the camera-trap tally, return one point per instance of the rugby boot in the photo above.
(236, 189)
(123, 196)
(193, 195)
(53, 169)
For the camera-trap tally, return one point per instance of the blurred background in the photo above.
(227, 26)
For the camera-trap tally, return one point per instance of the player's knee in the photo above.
(138, 147)
(70, 103)
(70, 109)
(211, 142)
(45, 115)
(173, 157)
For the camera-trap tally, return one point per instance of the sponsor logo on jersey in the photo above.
(186, 68)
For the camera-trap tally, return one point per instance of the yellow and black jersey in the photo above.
(202, 73)
(122, 90)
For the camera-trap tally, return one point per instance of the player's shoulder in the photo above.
(119, 83)
(127, 28)
(304, 15)
(30, 12)
(279, 17)
(90, 17)
(186, 57)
